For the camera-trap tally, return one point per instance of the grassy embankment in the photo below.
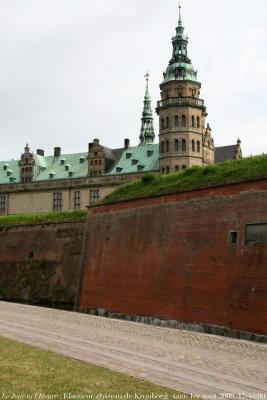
(37, 374)
(193, 178)
(29, 219)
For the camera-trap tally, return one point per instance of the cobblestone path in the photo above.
(192, 363)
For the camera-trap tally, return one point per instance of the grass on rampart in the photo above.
(29, 219)
(193, 178)
(35, 374)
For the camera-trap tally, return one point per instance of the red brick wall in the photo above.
(169, 257)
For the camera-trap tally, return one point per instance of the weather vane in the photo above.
(147, 76)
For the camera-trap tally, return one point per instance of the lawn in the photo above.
(38, 374)
(29, 219)
(192, 179)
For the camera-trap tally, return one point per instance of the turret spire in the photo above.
(147, 134)
(180, 16)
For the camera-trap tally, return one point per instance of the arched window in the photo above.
(176, 145)
(198, 122)
(167, 146)
(176, 120)
(183, 120)
(198, 146)
(162, 123)
(162, 170)
(162, 147)
(167, 170)
(193, 145)
(184, 167)
(176, 168)
(183, 145)
(167, 122)
(193, 121)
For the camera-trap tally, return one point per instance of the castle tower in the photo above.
(147, 134)
(182, 114)
(27, 166)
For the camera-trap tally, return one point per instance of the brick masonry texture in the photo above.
(169, 257)
(39, 264)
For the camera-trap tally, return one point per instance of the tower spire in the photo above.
(180, 16)
(147, 134)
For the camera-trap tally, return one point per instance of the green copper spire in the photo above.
(147, 134)
(180, 67)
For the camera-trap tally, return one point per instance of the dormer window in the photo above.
(67, 167)
(128, 155)
(149, 153)
(62, 161)
(119, 169)
(71, 173)
(52, 175)
(134, 162)
(6, 166)
(82, 160)
(140, 167)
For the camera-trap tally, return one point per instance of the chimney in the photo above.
(96, 141)
(57, 151)
(91, 146)
(126, 143)
(40, 152)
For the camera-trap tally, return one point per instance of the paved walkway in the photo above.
(188, 362)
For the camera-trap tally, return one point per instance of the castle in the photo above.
(39, 183)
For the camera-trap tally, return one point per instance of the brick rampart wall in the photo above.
(170, 257)
(40, 263)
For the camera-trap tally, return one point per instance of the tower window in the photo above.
(176, 145)
(176, 168)
(167, 122)
(162, 170)
(162, 123)
(183, 145)
(193, 121)
(176, 120)
(167, 146)
(184, 167)
(162, 147)
(198, 146)
(184, 121)
(167, 170)
(198, 122)
(193, 145)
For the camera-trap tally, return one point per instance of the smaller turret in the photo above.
(147, 134)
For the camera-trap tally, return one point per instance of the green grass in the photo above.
(28, 219)
(26, 370)
(193, 178)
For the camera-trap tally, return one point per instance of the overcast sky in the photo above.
(73, 70)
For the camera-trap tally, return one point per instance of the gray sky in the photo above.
(73, 70)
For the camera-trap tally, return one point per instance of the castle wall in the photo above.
(40, 263)
(170, 257)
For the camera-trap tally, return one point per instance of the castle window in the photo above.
(183, 145)
(3, 204)
(57, 201)
(256, 233)
(198, 146)
(193, 121)
(176, 145)
(94, 196)
(184, 121)
(167, 170)
(193, 145)
(198, 122)
(100, 162)
(162, 170)
(167, 146)
(91, 162)
(128, 155)
(176, 168)
(96, 154)
(162, 123)
(167, 122)
(184, 167)
(162, 147)
(96, 162)
(134, 162)
(62, 161)
(77, 200)
(176, 120)
(233, 238)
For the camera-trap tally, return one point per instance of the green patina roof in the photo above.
(45, 167)
(137, 159)
(180, 67)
